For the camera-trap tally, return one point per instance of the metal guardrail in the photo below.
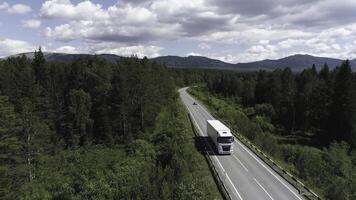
(301, 187)
(222, 188)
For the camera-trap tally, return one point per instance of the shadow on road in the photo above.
(205, 146)
(203, 143)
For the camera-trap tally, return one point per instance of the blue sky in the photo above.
(229, 30)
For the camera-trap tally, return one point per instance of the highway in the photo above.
(244, 174)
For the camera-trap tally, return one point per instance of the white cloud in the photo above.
(137, 50)
(332, 42)
(62, 32)
(132, 15)
(252, 30)
(67, 49)
(262, 50)
(254, 53)
(204, 46)
(194, 54)
(64, 9)
(133, 22)
(4, 5)
(254, 35)
(10, 47)
(19, 9)
(32, 23)
(173, 7)
(229, 58)
(118, 23)
(289, 43)
(264, 42)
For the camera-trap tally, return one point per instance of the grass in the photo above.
(201, 165)
(275, 145)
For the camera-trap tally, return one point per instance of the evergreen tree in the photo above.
(288, 113)
(306, 85)
(38, 64)
(341, 109)
(274, 90)
(12, 170)
(321, 101)
(352, 99)
(80, 122)
(262, 88)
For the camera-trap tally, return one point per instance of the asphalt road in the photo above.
(244, 174)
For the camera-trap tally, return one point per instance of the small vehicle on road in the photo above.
(195, 103)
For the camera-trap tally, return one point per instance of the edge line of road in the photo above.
(243, 146)
(240, 163)
(259, 184)
(268, 169)
(223, 170)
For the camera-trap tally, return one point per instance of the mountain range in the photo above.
(296, 62)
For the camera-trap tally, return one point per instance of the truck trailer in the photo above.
(221, 136)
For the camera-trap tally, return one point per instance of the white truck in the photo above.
(221, 136)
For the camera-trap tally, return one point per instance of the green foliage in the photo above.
(268, 143)
(11, 147)
(342, 108)
(38, 64)
(179, 160)
(79, 122)
(89, 129)
(265, 110)
(134, 171)
(264, 123)
(229, 112)
(330, 172)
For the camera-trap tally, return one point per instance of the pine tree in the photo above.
(80, 122)
(11, 151)
(288, 96)
(321, 100)
(262, 88)
(38, 64)
(352, 99)
(341, 108)
(306, 84)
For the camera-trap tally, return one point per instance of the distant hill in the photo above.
(63, 57)
(198, 62)
(295, 62)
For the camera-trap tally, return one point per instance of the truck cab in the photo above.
(221, 136)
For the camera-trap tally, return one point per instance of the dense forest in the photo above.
(89, 129)
(306, 121)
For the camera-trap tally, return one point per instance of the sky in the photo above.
(229, 30)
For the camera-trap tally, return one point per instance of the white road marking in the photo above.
(256, 159)
(223, 170)
(269, 170)
(237, 192)
(199, 105)
(241, 163)
(263, 188)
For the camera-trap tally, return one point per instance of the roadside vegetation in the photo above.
(95, 130)
(305, 121)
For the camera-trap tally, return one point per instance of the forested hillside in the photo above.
(90, 129)
(306, 121)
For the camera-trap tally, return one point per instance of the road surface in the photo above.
(245, 176)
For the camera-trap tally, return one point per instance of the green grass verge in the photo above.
(201, 165)
(228, 110)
